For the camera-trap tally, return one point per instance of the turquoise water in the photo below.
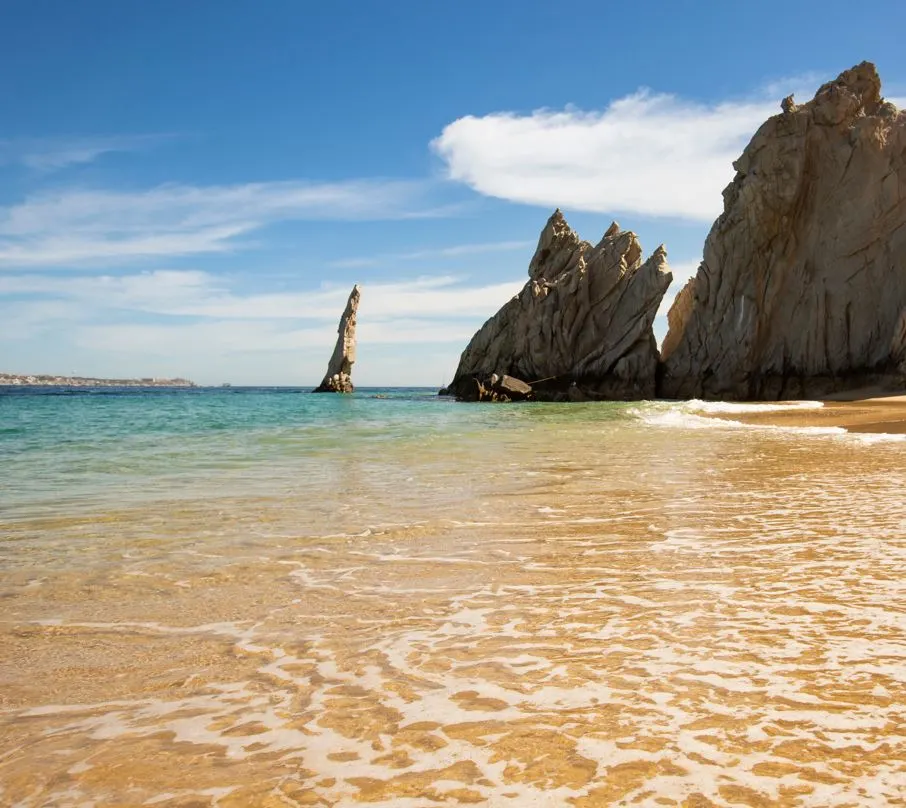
(105, 445)
(88, 449)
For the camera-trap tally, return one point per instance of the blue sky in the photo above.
(192, 188)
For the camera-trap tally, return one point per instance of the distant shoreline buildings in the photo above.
(44, 380)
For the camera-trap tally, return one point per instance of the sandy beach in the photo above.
(862, 411)
(542, 605)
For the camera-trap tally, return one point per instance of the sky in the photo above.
(192, 188)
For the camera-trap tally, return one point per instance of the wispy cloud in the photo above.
(52, 154)
(80, 227)
(190, 293)
(648, 153)
(258, 336)
(155, 291)
(73, 250)
(433, 254)
(186, 322)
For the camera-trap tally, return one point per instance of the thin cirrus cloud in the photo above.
(434, 254)
(195, 294)
(228, 338)
(193, 323)
(651, 154)
(53, 154)
(79, 227)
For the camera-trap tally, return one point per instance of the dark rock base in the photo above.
(506, 388)
(776, 387)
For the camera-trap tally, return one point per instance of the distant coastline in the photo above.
(44, 380)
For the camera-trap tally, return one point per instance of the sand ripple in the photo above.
(593, 618)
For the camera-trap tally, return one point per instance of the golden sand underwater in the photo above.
(578, 613)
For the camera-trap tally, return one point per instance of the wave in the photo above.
(743, 407)
(679, 417)
(686, 415)
(878, 437)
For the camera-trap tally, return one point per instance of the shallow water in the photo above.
(268, 598)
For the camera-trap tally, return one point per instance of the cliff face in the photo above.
(338, 378)
(802, 289)
(580, 327)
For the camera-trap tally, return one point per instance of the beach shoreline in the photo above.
(530, 605)
(862, 411)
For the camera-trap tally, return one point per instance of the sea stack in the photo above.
(802, 290)
(580, 329)
(338, 378)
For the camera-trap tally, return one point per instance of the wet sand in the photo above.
(578, 613)
(860, 412)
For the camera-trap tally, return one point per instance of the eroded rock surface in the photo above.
(581, 328)
(802, 290)
(338, 378)
(491, 388)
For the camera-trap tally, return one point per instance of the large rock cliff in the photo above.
(802, 290)
(581, 326)
(338, 378)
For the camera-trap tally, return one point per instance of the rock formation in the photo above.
(491, 388)
(580, 328)
(338, 378)
(802, 290)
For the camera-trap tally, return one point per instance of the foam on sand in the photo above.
(686, 415)
(744, 407)
(864, 423)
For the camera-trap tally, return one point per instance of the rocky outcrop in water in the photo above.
(338, 378)
(802, 290)
(491, 388)
(579, 329)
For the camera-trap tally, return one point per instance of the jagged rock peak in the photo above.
(338, 378)
(855, 91)
(613, 230)
(802, 286)
(557, 245)
(580, 327)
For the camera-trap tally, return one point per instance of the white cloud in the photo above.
(20, 321)
(145, 291)
(78, 227)
(647, 154)
(802, 86)
(203, 326)
(194, 324)
(190, 293)
(52, 154)
(681, 271)
(258, 336)
(267, 352)
(72, 250)
(439, 252)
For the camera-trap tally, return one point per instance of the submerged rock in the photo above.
(802, 290)
(338, 378)
(582, 322)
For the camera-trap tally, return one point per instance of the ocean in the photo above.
(262, 597)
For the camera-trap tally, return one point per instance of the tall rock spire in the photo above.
(338, 378)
